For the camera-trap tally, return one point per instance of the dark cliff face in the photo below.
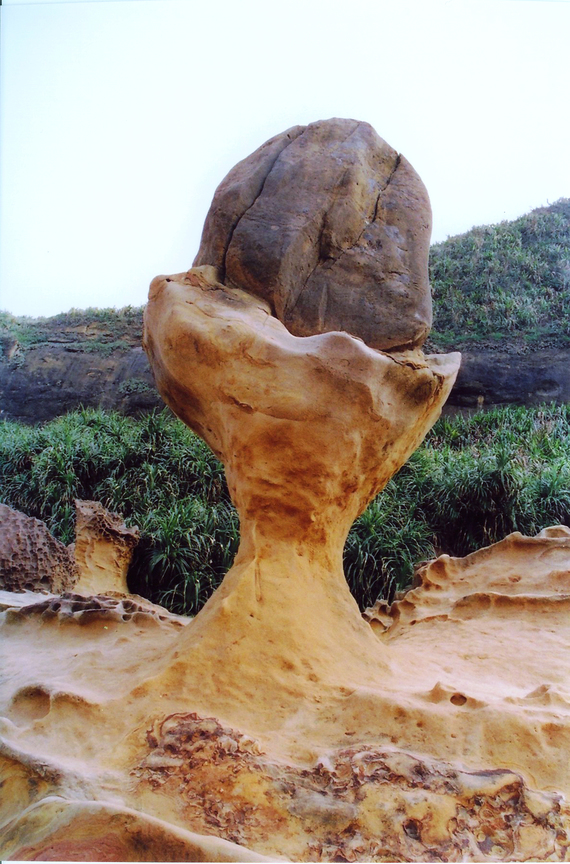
(43, 382)
(52, 380)
(488, 378)
(92, 358)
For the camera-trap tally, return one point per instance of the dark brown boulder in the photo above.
(331, 226)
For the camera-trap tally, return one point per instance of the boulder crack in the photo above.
(240, 217)
(331, 260)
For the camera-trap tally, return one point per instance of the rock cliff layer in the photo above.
(53, 379)
(50, 380)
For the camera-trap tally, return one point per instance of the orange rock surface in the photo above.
(280, 723)
(102, 550)
(454, 747)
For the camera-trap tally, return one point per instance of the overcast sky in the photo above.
(119, 119)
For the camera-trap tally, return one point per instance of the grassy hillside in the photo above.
(473, 481)
(84, 330)
(505, 285)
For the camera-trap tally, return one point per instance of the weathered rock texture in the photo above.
(31, 559)
(103, 549)
(453, 747)
(279, 719)
(331, 227)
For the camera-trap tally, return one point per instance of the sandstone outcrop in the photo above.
(103, 549)
(331, 227)
(309, 430)
(31, 559)
(453, 747)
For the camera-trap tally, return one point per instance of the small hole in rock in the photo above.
(29, 704)
(412, 829)
(458, 699)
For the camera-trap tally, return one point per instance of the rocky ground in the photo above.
(111, 750)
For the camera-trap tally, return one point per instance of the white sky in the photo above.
(118, 120)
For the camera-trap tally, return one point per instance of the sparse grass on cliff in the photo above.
(472, 481)
(505, 285)
(100, 330)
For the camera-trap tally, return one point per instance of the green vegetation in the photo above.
(133, 385)
(100, 330)
(473, 481)
(505, 285)
(155, 472)
(100, 347)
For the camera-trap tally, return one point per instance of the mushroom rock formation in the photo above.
(331, 227)
(309, 430)
(280, 719)
(308, 415)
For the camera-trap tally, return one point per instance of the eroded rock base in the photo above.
(113, 747)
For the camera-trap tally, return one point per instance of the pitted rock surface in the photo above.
(356, 803)
(30, 557)
(70, 607)
(331, 226)
(103, 549)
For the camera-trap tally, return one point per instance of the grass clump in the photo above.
(133, 385)
(474, 480)
(153, 471)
